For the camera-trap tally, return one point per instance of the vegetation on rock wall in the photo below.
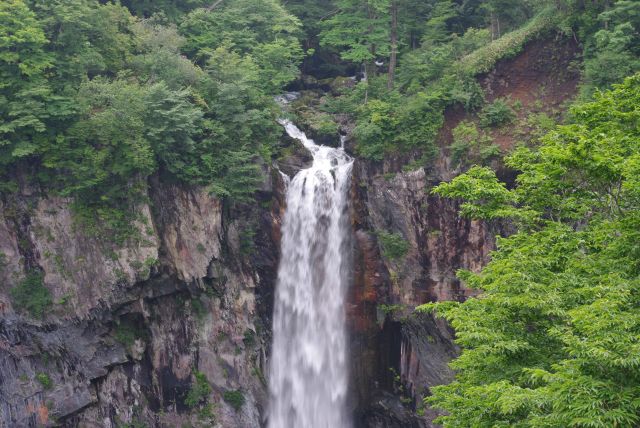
(554, 338)
(199, 392)
(235, 398)
(31, 295)
(94, 99)
(394, 245)
(459, 41)
(472, 145)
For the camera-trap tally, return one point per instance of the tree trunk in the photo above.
(394, 44)
(370, 66)
(370, 69)
(495, 26)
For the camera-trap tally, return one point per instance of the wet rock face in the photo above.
(131, 325)
(438, 241)
(294, 159)
(398, 354)
(40, 234)
(386, 411)
(69, 356)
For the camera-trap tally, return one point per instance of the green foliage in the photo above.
(507, 15)
(611, 52)
(553, 338)
(260, 30)
(411, 117)
(392, 124)
(95, 100)
(471, 145)
(125, 335)
(198, 308)
(311, 14)
(435, 61)
(484, 59)
(534, 126)
(235, 398)
(86, 39)
(440, 73)
(31, 295)
(420, 118)
(158, 56)
(390, 309)
(127, 332)
(436, 31)
(247, 240)
(105, 150)
(498, 113)
(23, 87)
(173, 9)
(199, 392)
(394, 245)
(249, 338)
(484, 196)
(359, 29)
(44, 380)
(376, 129)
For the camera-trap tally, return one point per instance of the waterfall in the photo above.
(308, 376)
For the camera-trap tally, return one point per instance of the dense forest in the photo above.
(97, 97)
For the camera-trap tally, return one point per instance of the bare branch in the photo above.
(333, 12)
(213, 6)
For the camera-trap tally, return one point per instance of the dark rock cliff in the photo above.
(130, 325)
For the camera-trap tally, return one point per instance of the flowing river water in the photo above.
(308, 378)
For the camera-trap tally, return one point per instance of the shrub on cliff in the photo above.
(498, 113)
(31, 295)
(394, 245)
(44, 380)
(199, 392)
(472, 145)
(234, 398)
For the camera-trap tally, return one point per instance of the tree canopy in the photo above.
(95, 99)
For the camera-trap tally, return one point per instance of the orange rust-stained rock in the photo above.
(368, 283)
(40, 411)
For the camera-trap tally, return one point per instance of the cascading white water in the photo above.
(308, 376)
